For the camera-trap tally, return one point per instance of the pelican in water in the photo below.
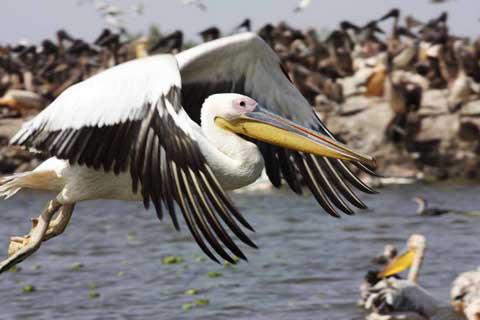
(465, 294)
(392, 298)
(179, 131)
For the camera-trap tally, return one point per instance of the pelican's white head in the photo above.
(242, 116)
(229, 106)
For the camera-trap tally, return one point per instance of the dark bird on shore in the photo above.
(210, 34)
(171, 43)
(411, 22)
(361, 35)
(63, 35)
(460, 88)
(244, 26)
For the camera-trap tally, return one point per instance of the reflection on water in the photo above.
(309, 265)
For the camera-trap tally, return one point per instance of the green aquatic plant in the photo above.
(191, 292)
(76, 266)
(214, 274)
(15, 269)
(172, 260)
(202, 302)
(93, 294)
(199, 258)
(28, 288)
(187, 306)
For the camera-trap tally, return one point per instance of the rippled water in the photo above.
(309, 265)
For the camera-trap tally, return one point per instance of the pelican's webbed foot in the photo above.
(21, 248)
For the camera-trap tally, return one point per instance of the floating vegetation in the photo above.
(120, 273)
(15, 269)
(197, 303)
(93, 294)
(172, 260)
(200, 258)
(36, 267)
(28, 288)
(214, 274)
(202, 302)
(77, 266)
(191, 292)
(187, 306)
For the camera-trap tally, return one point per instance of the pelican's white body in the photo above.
(234, 161)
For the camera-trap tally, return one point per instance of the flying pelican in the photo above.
(465, 294)
(402, 299)
(133, 132)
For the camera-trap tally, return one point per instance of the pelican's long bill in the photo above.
(265, 126)
(399, 264)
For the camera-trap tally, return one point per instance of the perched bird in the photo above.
(393, 298)
(180, 131)
(170, 43)
(210, 34)
(245, 26)
(465, 294)
(460, 89)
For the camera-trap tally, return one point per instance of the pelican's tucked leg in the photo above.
(21, 248)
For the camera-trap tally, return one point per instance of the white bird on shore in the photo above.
(392, 299)
(465, 294)
(179, 131)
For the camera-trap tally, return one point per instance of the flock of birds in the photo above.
(388, 297)
(399, 65)
(179, 129)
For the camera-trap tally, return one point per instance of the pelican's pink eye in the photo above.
(245, 104)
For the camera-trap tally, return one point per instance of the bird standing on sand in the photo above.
(181, 130)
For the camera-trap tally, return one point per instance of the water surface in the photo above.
(309, 265)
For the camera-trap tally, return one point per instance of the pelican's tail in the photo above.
(10, 185)
(38, 179)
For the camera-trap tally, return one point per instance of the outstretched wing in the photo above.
(245, 64)
(129, 118)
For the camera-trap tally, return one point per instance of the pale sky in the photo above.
(35, 20)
